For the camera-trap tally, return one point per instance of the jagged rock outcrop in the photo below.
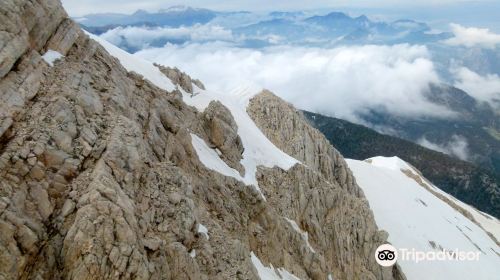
(180, 78)
(99, 179)
(222, 133)
(288, 130)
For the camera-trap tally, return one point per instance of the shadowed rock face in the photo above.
(99, 180)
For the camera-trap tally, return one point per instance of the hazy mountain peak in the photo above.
(337, 15)
(140, 12)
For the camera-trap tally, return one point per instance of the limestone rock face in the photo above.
(99, 179)
(288, 130)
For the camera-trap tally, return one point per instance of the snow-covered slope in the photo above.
(259, 150)
(418, 216)
(135, 64)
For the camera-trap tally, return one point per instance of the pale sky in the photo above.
(81, 7)
(439, 13)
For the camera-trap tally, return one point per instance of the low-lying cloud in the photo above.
(343, 82)
(472, 37)
(457, 146)
(483, 88)
(142, 37)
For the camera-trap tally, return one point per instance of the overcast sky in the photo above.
(80, 7)
(438, 13)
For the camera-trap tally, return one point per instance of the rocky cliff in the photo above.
(99, 178)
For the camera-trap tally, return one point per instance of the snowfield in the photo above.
(417, 219)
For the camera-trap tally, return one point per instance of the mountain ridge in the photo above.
(110, 170)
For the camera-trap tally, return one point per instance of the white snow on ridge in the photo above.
(258, 149)
(393, 163)
(51, 57)
(416, 218)
(135, 64)
(488, 222)
(270, 273)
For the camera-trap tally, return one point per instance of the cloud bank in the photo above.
(457, 146)
(472, 37)
(483, 88)
(343, 82)
(142, 37)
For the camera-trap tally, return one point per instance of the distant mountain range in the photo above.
(301, 28)
(338, 28)
(295, 27)
(477, 124)
(174, 17)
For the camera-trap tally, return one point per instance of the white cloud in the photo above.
(342, 82)
(483, 88)
(471, 37)
(457, 146)
(141, 37)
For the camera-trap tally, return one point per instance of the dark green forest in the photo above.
(471, 184)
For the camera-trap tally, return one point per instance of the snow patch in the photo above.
(304, 234)
(192, 254)
(394, 198)
(203, 230)
(210, 158)
(51, 57)
(270, 273)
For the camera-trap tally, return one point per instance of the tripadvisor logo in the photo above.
(387, 255)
